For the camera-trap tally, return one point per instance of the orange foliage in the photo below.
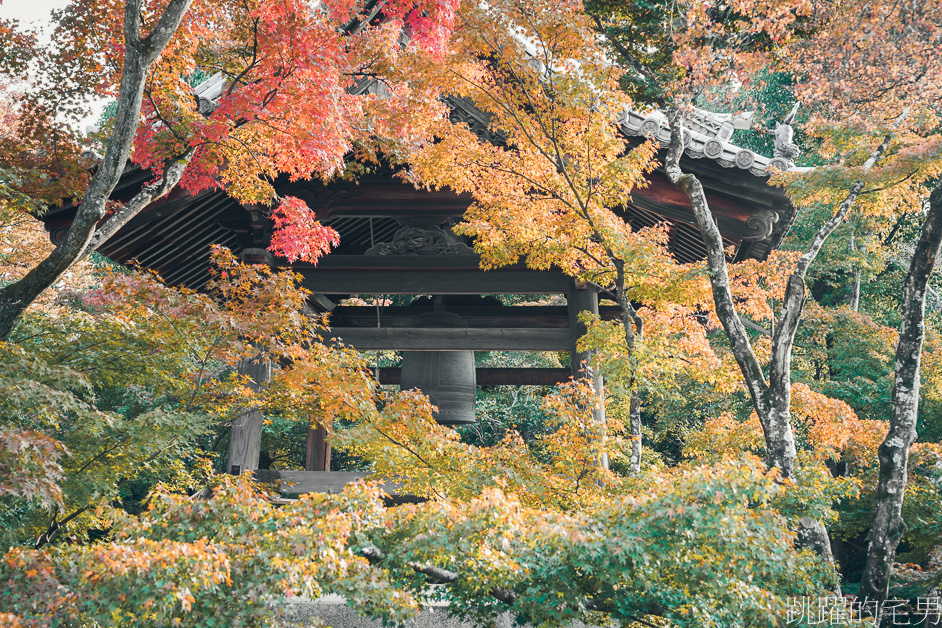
(724, 435)
(832, 428)
(547, 192)
(867, 62)
(717, 45)
(756, 285)
(24, 242)
(402, 441)
(828, 428)
(247, 311)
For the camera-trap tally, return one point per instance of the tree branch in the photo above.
(139, 55)
(444, 576)
(793, 303)
(150, 193)
(719, 277)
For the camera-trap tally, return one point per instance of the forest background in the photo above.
(751, 467)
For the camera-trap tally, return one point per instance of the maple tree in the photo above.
(285, 107)
(176, 563)
(137, 376)
(546, 183)
(549, 186)
(728, 44)
(895, 102)
(136, 381)
(492, 510)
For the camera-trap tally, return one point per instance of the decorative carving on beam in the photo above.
(322, 198)
(761, 224)
(422, 240)
(258, 256)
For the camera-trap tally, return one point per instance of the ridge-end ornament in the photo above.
(784, 146)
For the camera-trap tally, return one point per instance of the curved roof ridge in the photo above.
(706, 137)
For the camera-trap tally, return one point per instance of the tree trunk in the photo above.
(585, 299)
(634, 329)
(634, 433)
(140, 54)
(888, 525)
(245, 437)
(778, 436)
(772, 399)
(855, 286)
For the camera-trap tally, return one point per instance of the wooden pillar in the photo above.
(245, 436)
(318, 450)
(582, 298)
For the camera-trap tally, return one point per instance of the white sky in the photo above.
(31, 12)
(35, 14)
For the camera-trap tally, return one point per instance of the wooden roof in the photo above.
(173, 235)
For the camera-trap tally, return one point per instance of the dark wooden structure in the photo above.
(375, 217)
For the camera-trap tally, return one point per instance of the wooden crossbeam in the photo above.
(421, 274)
(300, 482)
(454, 339)
(496, 376)
(311, 481)
(477, 316)
(330, 281)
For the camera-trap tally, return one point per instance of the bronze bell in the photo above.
(447, 377)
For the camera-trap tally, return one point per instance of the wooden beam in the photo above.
(309, 481)
(376, 197)
(329, 281)
(585, 299)
(580, 300)
(245, 434)
(454, 339)
(495, 376)
(332, 482)
(534, 316)
(315, 481)
(423, 274)
(322, 303)
(381, 263)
